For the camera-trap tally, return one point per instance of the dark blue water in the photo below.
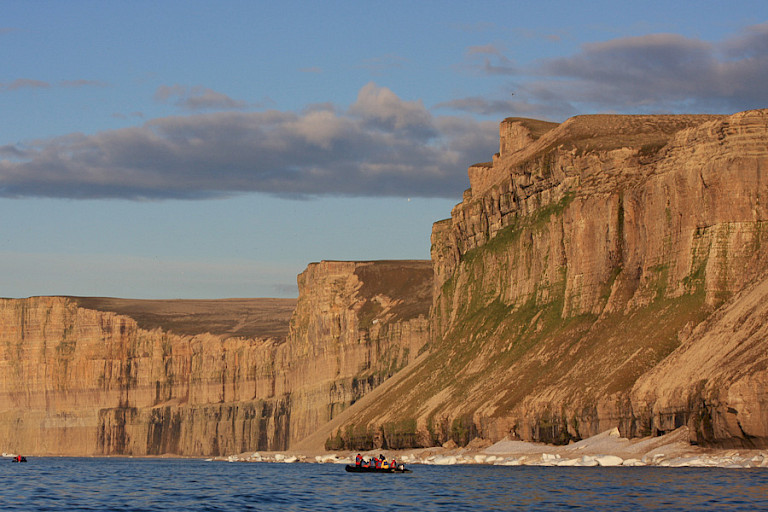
(170, 485)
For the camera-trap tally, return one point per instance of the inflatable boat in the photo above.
(363, 469)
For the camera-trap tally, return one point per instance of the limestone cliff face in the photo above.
(577, 263)
(355, 325)
(77, 380)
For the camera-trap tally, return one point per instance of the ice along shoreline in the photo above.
(606, 449)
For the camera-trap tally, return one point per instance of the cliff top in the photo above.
(400, 288)
(536, 127)
(410, 281)
(250, 318)
(605, 132)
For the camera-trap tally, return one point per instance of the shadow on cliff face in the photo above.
(209, 430)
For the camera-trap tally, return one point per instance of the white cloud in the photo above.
(651, 73)
(381, 107)
(197, 98)
(24, 83)
(381, 146)
(30, 83)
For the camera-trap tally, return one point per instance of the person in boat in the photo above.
(18, 458)
(393, 463)
(365, 463)
(359, 460)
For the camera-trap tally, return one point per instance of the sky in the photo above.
(211, 149)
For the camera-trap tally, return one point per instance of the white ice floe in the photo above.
(279, 457)
(444, 461)
(511, 461)
(609, 460)
(547, 459)
(653, 458)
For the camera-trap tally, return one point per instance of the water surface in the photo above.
(82, 484)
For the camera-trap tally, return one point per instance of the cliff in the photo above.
(80, 381)
(609, 271)
(590, 271)
(95, 376)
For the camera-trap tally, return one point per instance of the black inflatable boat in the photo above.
(362, 469)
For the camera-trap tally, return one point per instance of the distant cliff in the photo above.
(603, 272)
(80, 381)
(82, 376)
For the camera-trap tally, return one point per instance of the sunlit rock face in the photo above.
(579, 283)
(83, 376)
(355, 325)
(609, 271)
(83, 381)
(716, 381)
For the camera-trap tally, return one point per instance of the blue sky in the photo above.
(191, 149)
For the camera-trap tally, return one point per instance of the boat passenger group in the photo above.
(379, 462)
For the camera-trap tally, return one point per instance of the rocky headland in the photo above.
(609, 272)
(605, 272)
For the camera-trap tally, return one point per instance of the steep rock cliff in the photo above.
(78, 381)
(82, 376)
(355, 325)
(578, 261)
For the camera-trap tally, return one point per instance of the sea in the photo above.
(145, 484)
